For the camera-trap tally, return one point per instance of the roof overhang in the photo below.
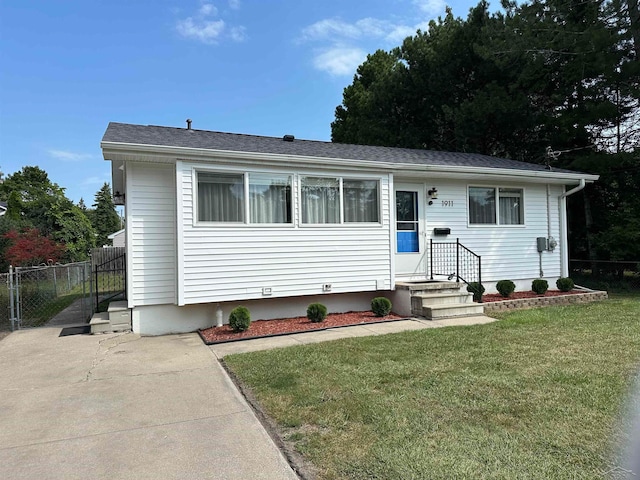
(119, 153)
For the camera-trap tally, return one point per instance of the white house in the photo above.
(118, 239)
(218, 219)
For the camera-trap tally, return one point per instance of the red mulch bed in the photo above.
(496, 297)
(265, 328)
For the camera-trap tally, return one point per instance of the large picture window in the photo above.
(220, 197)
(321, 199)
(269, 198)
(485, 210)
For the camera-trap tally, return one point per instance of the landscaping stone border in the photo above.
(522, 303)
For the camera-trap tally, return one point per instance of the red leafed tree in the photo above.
(29, 247)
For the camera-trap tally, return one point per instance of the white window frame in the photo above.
(496, 189)
(247, 208)
(340, 178)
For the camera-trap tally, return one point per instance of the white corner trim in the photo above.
(179, 234)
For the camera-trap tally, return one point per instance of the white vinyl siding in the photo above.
(150, 215)
(508, 251)
(236, 262)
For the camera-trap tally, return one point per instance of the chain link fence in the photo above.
(607, 275)
(5, 314)
(35, 296)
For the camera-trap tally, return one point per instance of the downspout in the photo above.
(564, 236)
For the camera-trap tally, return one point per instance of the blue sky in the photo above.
(67, 68)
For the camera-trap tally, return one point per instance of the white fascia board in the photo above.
(163, 154)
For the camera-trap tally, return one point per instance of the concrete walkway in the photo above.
(119, 406)
(222, 349)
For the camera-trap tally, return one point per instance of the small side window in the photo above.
(482, 205)
(510, 206)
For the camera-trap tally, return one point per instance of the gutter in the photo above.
(564, 236)
(583, 183)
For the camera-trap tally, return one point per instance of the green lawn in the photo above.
(535, 395)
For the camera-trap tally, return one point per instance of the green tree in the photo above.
(558, 74)
(34, 201)
(105, 218)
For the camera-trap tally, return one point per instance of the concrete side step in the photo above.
(100, 323)
(117, 306)
(119, 314)
(445, 298)
(434, 312)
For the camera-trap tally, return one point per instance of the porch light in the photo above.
(433, 194)
(118, 198)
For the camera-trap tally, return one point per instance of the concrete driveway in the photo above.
(121, 406)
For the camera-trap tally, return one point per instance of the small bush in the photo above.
(477, 289)
(381, 306)
(565, 284)
(540, 286)
(316, 312)
(505, 287)
(239, 319)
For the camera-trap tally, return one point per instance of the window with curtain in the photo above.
(360, 201)
(482, 205)
(510, 206)
(220, 197)
(320, 200)
(484, 209)
(269, 198)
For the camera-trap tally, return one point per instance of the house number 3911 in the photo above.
(447, 203)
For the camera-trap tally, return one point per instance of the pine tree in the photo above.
(105, 218)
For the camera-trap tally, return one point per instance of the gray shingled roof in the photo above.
(181, 137)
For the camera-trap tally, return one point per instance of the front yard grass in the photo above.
(535, 395)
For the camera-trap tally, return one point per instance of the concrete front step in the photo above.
(445, 298)
(100, 323)
(435, 300)
(434, 312)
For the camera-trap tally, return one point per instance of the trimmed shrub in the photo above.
(505, 287)
(565, 284)
(316, 312)
(381, 306)
(540, 286)
(239, 319)
(477, 289)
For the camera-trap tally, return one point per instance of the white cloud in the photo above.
(207, 28)
(234, 4)
(430, 7)
(205, 31)
(238, 34)
(339, 61)
(327, 28)
(67, 156)
(208, 9)
(340, 43)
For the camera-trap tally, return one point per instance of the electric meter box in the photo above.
(543, 244)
